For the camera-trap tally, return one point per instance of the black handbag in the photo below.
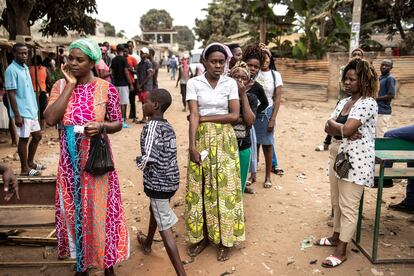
(342, 165)
(99, 158)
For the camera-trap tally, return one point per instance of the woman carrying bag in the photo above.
(90, 219)
(352, 154)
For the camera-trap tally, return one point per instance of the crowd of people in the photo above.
(233, 104)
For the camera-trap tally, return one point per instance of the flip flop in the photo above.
(141, 237)
(279, 171)
(223, 254)
(249, 190)
(198, 248)
(334, 262)
(267, 185)
(39, 167)
(324, 242)
(32, 172)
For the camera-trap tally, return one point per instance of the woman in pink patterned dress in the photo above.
(90, 220)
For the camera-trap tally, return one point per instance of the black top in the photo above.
(258, 90)
(342, 120)
(246, 142)
(159, 159)
(118, 65)
(155, 76)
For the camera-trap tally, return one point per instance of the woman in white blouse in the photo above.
(352, 125)
(214, 206)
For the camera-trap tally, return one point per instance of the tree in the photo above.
(224, 18)
(156, 20)
(121, 34)
(109, 29)
(185, 37)
(58, 16)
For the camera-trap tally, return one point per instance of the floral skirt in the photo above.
(215, 188)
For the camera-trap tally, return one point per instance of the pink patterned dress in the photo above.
(90, 219)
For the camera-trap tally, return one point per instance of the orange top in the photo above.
(41, 77)
(132, 62)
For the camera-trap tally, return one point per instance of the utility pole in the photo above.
(356, 25)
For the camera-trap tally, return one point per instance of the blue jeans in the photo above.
(408, 134)
(274, 158)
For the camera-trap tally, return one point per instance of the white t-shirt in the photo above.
(361, 151)
(212, 101)
(269, 83)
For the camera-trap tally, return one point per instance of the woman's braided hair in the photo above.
(367, 76)
(253, 51)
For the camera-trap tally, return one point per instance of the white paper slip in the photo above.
(203, 155)
(79, 129)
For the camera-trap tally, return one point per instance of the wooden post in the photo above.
(356, 26)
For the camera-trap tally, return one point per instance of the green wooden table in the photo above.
(386, 150)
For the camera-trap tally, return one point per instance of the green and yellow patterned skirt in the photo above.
(221, 198)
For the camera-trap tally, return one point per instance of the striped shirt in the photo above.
(159, 159)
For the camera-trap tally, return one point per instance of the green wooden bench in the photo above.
(386, 150)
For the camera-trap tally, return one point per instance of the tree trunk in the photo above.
(18, 14)
(400, 28)
(263, 29)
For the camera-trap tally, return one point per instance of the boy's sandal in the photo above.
(267, 185)
(248, 183)
(324, 242)
(32, 172)
(141, 237)
(332, 261)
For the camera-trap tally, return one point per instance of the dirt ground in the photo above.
(277, 219)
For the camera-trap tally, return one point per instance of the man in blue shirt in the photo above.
(385, 96)
(24, 109)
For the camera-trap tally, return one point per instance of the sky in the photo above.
(125, 14)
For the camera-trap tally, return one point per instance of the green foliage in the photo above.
(156, 20)
(121, 34)
(224, 18)
(58, 17)
(185, 37)
(109, 29)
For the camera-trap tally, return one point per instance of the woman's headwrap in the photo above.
(228, 52)
(240, 65)
(88, 47)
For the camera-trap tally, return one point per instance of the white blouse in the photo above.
(269, 83)
(212, 101)
(361, 151)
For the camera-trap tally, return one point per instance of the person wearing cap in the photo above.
(385, 96)
(90, 218)
(172, 65)
(145, 80)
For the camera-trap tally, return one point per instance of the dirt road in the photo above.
(277, 219)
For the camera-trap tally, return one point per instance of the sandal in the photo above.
(267, 184)
(39, 167)
(332, 261)
(324, 242)
(196, 249)
(32, 172)
(279, 171)
(223, 254)
(249, 190)
(141, 237)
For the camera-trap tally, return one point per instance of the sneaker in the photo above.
(323, 147)
(125, 125)
(402, 207)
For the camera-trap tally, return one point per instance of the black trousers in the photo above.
(133, 108)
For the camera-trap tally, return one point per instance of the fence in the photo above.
(318, 80)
